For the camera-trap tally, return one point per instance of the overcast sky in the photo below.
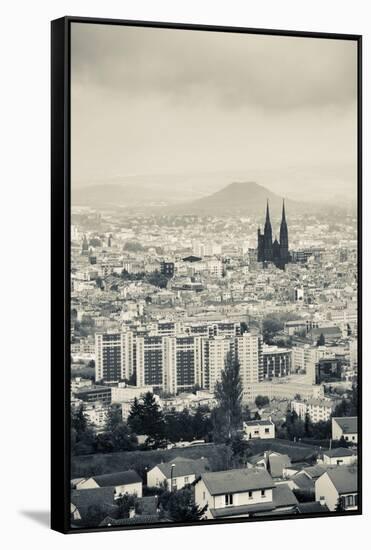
(160, 101)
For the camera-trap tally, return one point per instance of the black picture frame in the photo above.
(60, 261)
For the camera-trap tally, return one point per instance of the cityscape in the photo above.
(214, 315)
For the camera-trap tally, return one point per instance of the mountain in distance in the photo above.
(248, 198)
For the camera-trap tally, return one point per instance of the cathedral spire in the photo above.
(267, 219)
(283, 211)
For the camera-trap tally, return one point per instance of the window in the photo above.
(250, 494)
(204, 495)
(186, 480)
(263, 493)
(228, 499)
(266, 430)
(339, 462)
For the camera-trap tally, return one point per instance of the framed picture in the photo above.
(206, 275)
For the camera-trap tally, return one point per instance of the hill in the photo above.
(249, 198)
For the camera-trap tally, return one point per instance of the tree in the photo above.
(135, 417)
(261, 401)
(321, 340)
(157, 279)
(246, 414)
(114, 417)
(181, 507)
(228, 392)
(126, 503)
(240, 449)
(307, 425)
(78, 421)
(271, 327)
(146, 418)
(340, 505)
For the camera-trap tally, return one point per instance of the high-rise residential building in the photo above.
(276, 362)
(113, 356)
(249, 352)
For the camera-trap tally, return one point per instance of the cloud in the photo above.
(231, 70)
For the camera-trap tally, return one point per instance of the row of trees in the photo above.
(146, 418)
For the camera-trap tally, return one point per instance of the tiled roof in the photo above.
(315, 471)
(230, 511)
(277, 463)
(338, 452)
(303, 482)
(237, 481)
(347, 423)
(101, 496)
(283, 496)
(314, 507)
(344, 479)
(184, 467)
(117, 478)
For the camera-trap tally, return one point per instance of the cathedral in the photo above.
(274, 251)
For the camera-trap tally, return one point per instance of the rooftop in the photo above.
(344, 479)
(184, 467)
(347, 423)
(117, 478)
(338, 452)
(237, 481)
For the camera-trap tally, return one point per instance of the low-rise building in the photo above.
(242, 493)
(126, 482)
(259, 429)
(318, 410)
(345, 426)
(338, 487)
(177, 473)
(339, 456)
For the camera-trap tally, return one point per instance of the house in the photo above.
(145, 511)
(275, 463)
(242, 493)
(345, 426)
(122, 482)
(259, 429)
(338, 485)
(338, 456)
(83, 500)
(177, 473)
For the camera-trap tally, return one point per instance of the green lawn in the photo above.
(89, 465)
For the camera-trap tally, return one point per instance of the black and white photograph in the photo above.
(214, 276)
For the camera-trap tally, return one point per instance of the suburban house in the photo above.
(259, 429)
(122, 482)
(177, 473)
(338, 456)
(242, 493)
(345, 426)
(83, 500)
(275, 463)
(338, 485)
